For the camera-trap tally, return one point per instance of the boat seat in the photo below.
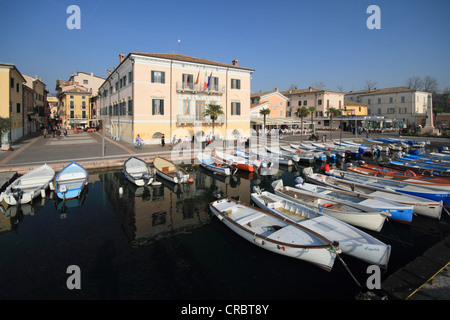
(136, 170)
(250, 218)
(72, 176)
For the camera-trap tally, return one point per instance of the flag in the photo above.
(206, 79)
(198, 76)
(280, 247)
(209, 80)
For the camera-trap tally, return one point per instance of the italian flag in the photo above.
(206, 80)
(280, 247)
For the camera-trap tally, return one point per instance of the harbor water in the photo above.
(162, 243)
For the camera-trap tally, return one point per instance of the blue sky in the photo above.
(285, 42)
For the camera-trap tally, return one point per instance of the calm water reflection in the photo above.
(160, 242)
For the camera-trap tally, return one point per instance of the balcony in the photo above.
(190, 119)
(188, 87)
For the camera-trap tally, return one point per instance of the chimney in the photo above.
(109, 72)
(121, 57)
(235, 62)
(276, 89)
(92, 73)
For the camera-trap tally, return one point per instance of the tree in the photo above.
(301, 113)
(430, 84)
(331, 113)
(213, 110)
(311, 111)
(370, 85)
(265, 112)
(414, 83)
(318, 85)
(5, 127)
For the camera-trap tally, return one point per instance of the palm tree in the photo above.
(213, 110)
(331, 113)
(301, 113)
(311, 111)
(265, 112)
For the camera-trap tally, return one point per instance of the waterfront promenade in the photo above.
(410, 282)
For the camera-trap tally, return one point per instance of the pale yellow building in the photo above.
(74, 110)
(353, 108)
(151, 94)
(11, 101)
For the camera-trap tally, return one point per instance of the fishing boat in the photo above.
(411, 143)
(137, 171)
(240, 162)
(408, 175)
(421, 206)
(399, 212)
(170, 171)
(391, 146)
(251, 158)
(422, 191)
(29, 186)
(352, 241)
(215, 165)
(306, 148)
(339, 153)
(270, 158)
(416, 166)
(355, 214)
(275, 234)
(365, 144)
(295, 157)
(70, 181)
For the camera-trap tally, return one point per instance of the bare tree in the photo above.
(414, 83)
(293, 87)
(318, 85)
(340, 88)
(370, 84)
(430, 84)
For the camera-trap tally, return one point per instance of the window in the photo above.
(157, 107)
(117, 86)
(83, 114)
(379, 111)
(305, 102)
(186, 107)
(236, 108)
(71, 97)
(110, 110)
(130, 107)
(188, 81)
(18, 108)
(369, 101)
(83, 104)
(72, 114)
(319, 102)
(281, 113)
(215, 81)
(83, 97)
(72, 104)
(299, 103)
(158, 76)
(85, 81)
(130, 76)
(123, 108)
(199, 110)
(124, 80)
(17, 87)
(402, 99)
(379, 100)
(235, 83)
(12, 83)
(391, 100)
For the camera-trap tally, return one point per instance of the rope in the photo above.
(345, 265)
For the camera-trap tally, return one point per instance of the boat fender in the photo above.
(299, 180)
(326, 167)
(120, 190)
(51, 186)
(43, 193)
(409, 173)
(327, 205)
(1, 196)
(191, 180)
(298, 151)
(379, 174)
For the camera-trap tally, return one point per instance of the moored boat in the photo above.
(170, 171)
(137, 171)
(70, 181)
(240, 162)
(354, 214)
(215, 165)
(275, 234)
(29, 186)
(352, 241)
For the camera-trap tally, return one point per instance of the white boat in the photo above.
(138, 172)
(29, 186)
(421, 206)
(354, 214)
(240, 162)
(399, 212)
(170, 171)
(352, 241)
(273, 233)
(215, 165)
(70, 181)
(422, 191)
(271, 157)
(317, 154)
(296, 157)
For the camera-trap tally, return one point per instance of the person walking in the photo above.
(163, 142)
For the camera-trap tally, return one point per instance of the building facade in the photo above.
(74, 108)
(151, 94)
(11, 101)
(400, 105)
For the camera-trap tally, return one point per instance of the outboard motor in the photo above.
(299, 180)
(180, 175)
(257, 189)
(307, 171)
(17, 194)
(146, 177)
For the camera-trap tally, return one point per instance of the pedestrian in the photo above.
(163, 143)
(139, 141)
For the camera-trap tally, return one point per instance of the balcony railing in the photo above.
(190, 119)
(199, 88)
